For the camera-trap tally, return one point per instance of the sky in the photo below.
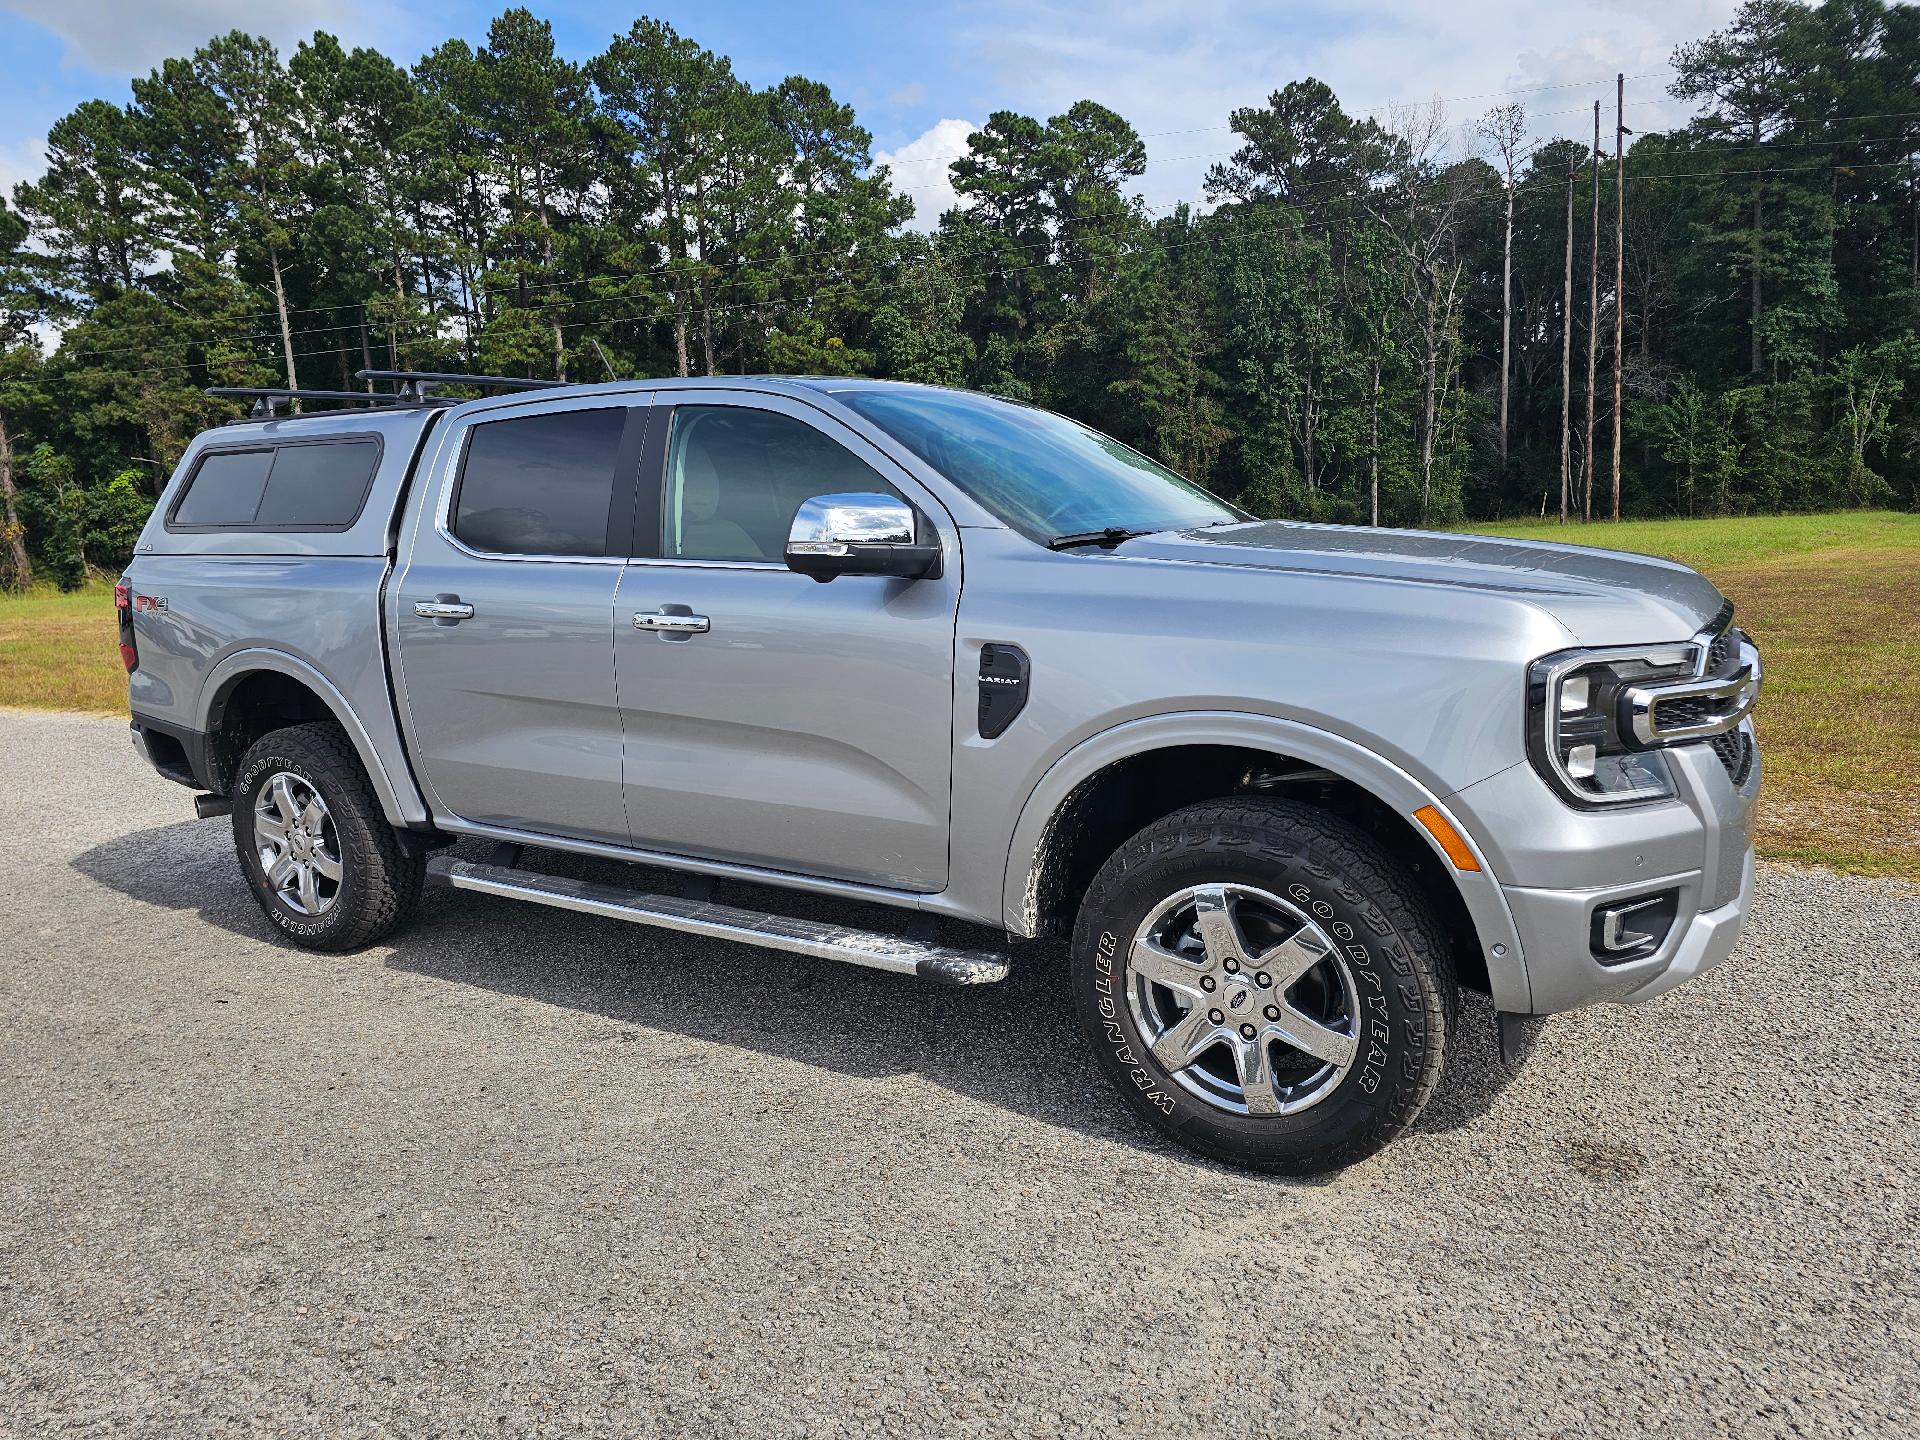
(921, 77)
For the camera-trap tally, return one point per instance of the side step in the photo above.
(872, 948)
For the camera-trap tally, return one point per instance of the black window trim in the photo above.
(274, 447)
(628, 463)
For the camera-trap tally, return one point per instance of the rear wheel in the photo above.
(1264, 984)
(322, 862)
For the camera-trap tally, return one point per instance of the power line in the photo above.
(724, 267)
(1370, 110)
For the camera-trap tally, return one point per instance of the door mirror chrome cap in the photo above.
(856, 534)
(833, 524)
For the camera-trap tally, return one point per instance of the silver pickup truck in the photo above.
(1280, 788)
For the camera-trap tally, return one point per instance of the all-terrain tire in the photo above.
(379, 883)
(1397, 956)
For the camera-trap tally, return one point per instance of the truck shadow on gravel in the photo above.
(1014, 1045)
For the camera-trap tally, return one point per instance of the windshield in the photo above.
(1043, 474)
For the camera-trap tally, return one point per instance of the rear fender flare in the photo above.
(400, 801)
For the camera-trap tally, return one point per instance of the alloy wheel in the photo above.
(296, 844)
(1243, 999)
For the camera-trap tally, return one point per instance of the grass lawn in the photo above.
(1833, 600)
(62, 652)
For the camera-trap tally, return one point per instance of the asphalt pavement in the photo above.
(526, 1172)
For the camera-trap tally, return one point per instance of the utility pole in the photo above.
(1566, 356)
(1593, 314)
(1619, 265)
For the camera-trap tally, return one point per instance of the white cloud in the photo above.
(1176, 68)
(130, 37)
(21, 160)
(920, 168)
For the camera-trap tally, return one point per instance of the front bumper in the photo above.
(1558, 867)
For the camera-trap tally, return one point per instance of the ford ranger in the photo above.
(1281, 789)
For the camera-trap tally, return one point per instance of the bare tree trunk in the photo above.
(280, 301)
(1566, 362)
(1307, 420)
(1373, 444)
(1428, 400)
(19, 568)
(1506, 322)
(1506, 127)
(1753, 266)
(1619, 268)
(706, 327)
(1593, 318)
(546, 246)
(706, 294)
(400, 300)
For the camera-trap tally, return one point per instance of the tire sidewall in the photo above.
(1397, 1009)
(261, 763)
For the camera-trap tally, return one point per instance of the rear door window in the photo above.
(540, 484)
(314, 486)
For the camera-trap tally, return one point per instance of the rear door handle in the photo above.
(666, 623)
(447, 608)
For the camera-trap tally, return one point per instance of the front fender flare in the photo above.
(399, 800)
(1479, 891)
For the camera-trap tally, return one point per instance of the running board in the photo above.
(872, 948)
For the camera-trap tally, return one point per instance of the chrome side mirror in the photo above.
(858, 535)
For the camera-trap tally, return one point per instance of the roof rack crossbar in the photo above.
(418, 384)
(269, 401)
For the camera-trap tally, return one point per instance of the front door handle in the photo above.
(666, 623)
(445, 608)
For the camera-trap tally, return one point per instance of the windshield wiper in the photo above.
(1112, 535)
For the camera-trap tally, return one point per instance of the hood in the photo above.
(1602, 597)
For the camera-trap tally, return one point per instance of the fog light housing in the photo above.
(1633, 928)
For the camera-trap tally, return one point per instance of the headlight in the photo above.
(1574, 733)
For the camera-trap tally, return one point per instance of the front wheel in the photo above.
(317, 852)
(1264, 984)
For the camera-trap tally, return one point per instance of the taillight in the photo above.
(123, 608)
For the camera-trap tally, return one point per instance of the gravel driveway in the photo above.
(527, 1173)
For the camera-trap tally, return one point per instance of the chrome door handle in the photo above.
(442, 610)
(670, 624)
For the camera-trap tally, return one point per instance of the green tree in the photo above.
(16, 355)
(89, 210)
(264, 163)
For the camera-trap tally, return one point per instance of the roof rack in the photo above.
(418, 384)
(269, 401)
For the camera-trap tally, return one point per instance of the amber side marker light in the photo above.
(1436, 825)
